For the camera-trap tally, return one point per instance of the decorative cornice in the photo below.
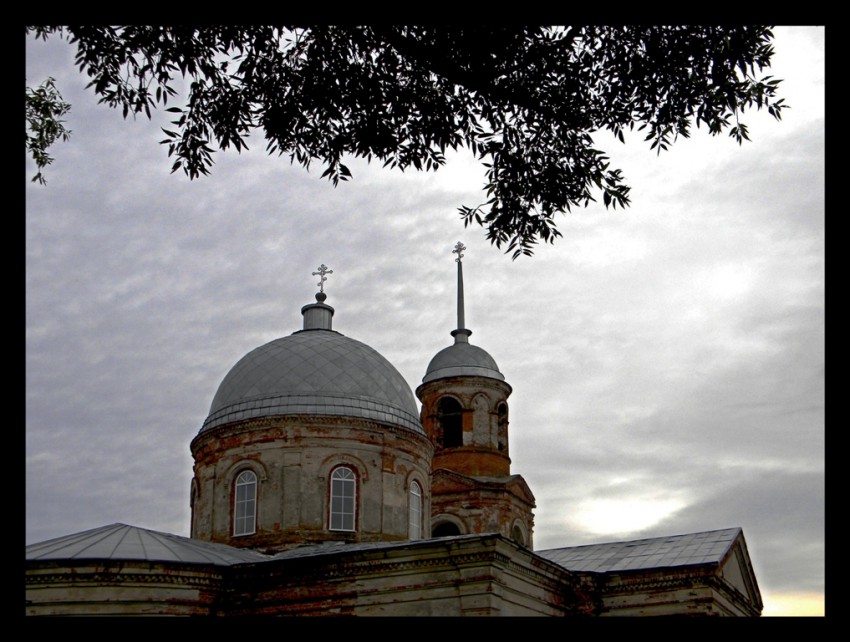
(514, 485)
(701, 576)
(211, 577)
(646, 580)
(734, 595)
(466, 385)
(328, 568)
(304, 422)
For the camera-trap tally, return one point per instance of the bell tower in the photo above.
(465, 414)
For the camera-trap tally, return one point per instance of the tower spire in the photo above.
(460, 334)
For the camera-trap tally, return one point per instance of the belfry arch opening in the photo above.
(451, 422)
(502, 438)
(502, 411)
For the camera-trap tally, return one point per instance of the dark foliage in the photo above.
(44, 110)
(525, 100)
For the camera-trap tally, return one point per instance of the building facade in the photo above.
(320, 489)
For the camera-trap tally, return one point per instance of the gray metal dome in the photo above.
(462, 359)
(314, 371)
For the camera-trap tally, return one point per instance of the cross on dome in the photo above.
(322, 271)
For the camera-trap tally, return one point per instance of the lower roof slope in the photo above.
(131, 543)
(709, 547)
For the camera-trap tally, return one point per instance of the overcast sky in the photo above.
(667, 361)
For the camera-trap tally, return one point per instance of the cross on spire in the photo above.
(460, 247)
(461, 333)
(322, 271)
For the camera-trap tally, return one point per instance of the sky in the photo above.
(667, 360)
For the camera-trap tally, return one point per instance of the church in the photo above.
(321, 489)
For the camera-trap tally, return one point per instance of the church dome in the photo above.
(315, 371)
(296, 430)
(462, 359)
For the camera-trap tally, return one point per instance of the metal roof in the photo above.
(330, 548)
(120, 542)
(126, 543)
(318, 372)
(462, 359)
(709, 547)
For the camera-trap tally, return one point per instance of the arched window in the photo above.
(449, 416)
(518, 534)
(503, 413)
(245, 503)
(414, 530)
(193, 498)
(445, 528)
(502, 436)
(343, 499)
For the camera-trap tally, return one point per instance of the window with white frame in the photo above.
(343, 499)
(245, 503)
(415, 512)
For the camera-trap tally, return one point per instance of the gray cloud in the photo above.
(673, 351)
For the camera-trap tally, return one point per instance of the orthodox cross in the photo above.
(322, 271)
(460, 247)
